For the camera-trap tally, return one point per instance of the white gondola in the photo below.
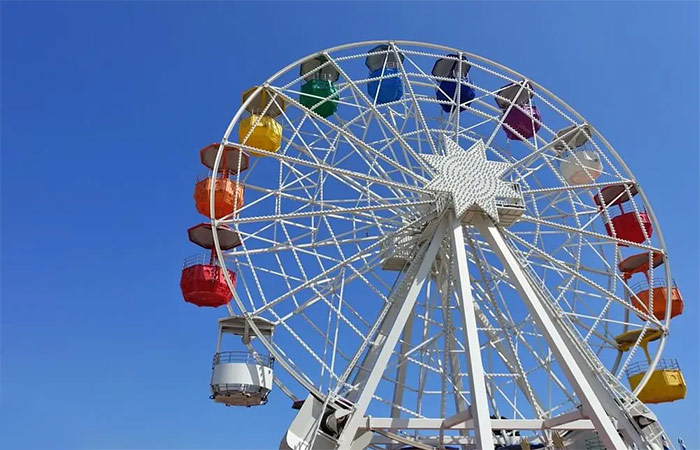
(581, 167)
(579, 164)
(242, 378)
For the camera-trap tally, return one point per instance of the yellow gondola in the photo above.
(666, 383)
(260, 132)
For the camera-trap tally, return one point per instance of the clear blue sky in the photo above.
(104, 106)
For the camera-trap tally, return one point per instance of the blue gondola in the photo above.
(381, 61)
(448, 67)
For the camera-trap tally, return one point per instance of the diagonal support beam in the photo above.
(477, 381)
(458, 418)
(404, 440)
(452, 356)
(592, 406)
(453, 363)
(563, 419)
(377, 361)
(402, 367)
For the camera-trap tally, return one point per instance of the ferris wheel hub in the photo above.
(474, 183)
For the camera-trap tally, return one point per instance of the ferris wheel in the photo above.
(431, 250)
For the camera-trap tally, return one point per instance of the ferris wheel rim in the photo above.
(608, 147)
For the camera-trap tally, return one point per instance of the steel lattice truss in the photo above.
(322, 214)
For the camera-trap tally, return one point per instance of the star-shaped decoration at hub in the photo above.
(473, 181)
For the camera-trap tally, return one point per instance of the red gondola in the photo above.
(625, 223)
(203, 282)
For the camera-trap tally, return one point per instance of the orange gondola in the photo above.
(228, 197)
(651, 298)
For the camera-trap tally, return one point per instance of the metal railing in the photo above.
(238, 388)
(401, 245)
(642, 366)
(514, 201)
(655, 283)
(200, 259)
(207, 175)
(244, 357)
(594, 444)
(624, 208)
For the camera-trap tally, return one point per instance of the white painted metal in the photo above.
(574, 373)
(479, 401)
(388, 343)
(242, 378)
(322, 211)
(453, 361)
(304, 428)
(241, 384)
(390, 317)
(242, 373)
(436, 424)
(402, 366)
(458, 418)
